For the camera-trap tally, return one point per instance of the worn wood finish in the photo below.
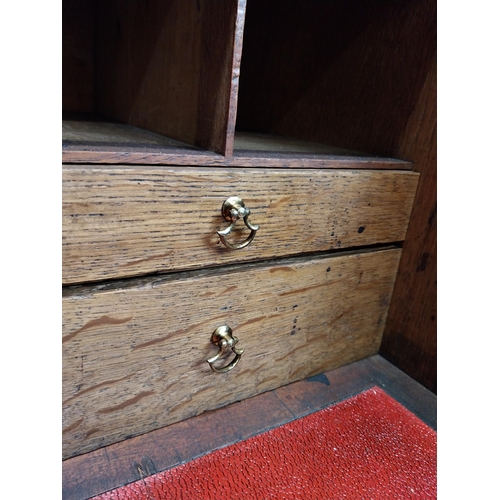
(128, 461)
(184, 156)
(134, 354)
(355, 378)
(85, 141)
(336, 72)
(410, 338)
(120, 222)
(167, 66)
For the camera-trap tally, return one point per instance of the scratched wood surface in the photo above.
(130, 221)
(134, 352)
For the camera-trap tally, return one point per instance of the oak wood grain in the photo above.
(134, 356)
(173, 156)
(129, 221)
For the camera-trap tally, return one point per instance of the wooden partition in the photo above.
(341, 74)
(167, 66)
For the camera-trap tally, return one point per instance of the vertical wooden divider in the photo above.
(171, 67)
(222, 42)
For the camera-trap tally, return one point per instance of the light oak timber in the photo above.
(129, 221)
(184, 156)
(134, 355)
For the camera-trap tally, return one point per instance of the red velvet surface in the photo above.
(367, 447)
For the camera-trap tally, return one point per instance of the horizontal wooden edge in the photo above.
(107, 468)
(89, 287)
(239, 159)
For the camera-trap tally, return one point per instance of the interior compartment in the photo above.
(337, 72)
(318, 77)
(165, 66)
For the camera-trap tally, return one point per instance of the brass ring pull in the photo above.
(223, 338)
(233, 209)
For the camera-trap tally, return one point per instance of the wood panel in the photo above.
(410, 338)
(148, 65)
(167, 66)
(117, 155)
(337, 72)
(134, 354)
(123, 463)
(120, 222)
(222, 41)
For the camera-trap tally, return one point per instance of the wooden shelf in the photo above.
(91, 134)
(86, 134)
(268, 144)
(86, 141)
(165, 66)
(172, 68)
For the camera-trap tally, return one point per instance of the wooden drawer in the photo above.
(134, 352)
(128, 221)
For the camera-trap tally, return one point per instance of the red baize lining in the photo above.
(367, 447)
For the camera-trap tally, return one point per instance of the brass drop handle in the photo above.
(222, 337)
(233, 209)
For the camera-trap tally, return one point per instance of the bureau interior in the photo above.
(162, 66)
(164, 74)
(337, 72)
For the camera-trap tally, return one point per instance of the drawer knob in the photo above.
(222, 337)
(232, 210)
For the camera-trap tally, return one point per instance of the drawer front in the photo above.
(134, 353)
(130, 221)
